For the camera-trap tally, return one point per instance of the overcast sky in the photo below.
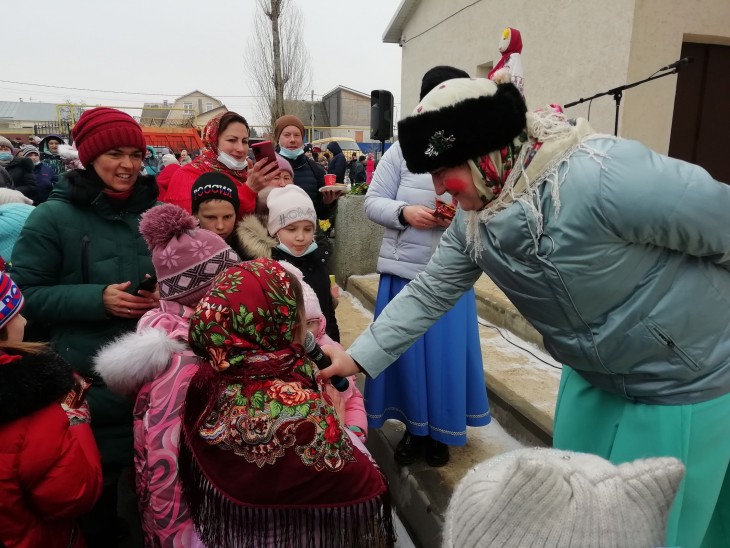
(165, 49)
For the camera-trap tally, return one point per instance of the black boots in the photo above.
(409, 448)
(412, 447)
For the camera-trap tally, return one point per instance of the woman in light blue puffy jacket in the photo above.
(436, 388)
(617, 255)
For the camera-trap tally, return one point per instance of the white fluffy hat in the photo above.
(560, 499)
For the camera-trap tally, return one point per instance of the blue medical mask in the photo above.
(231, 163)
(288, 251)
(5, 156)
(291, 154)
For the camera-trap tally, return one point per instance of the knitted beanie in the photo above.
(552, 498)
(101, 129)
(12, 219)
(215, 185)
(11, 299)
(186, 258)
(168, 159)
(460, 120)
(312, 308)
(28, 149)
(285, 121)
(288, 205)
(5, 142)
(284, 165)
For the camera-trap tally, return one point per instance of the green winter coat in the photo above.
(70, 249)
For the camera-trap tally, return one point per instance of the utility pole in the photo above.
(311, 119)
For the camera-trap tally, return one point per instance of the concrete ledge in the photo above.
(521, 389)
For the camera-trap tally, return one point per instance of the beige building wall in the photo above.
(198, 103)
(571, 49)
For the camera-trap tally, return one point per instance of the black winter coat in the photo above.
(23, 176)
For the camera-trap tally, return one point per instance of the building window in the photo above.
(188, 109)
(208, 107)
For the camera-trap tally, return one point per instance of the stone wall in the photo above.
(357, 240)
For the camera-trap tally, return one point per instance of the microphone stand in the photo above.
(618, 93)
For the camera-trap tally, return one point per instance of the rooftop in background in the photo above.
(27, 111)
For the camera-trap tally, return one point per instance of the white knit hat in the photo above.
(288, 205)
(551, 498)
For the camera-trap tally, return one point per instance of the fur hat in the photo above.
(438, 75)
(11, 299)
(461, 120)
(552, 498)
(28, 149)
(215, 185)
(100, 129)
(186, 258)
(288, 205)
(286, 121)
(169, 159)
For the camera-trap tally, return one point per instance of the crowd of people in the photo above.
(172, 305)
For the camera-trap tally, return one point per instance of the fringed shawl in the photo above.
(264, 460)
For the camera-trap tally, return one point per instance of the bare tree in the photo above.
(278, 62)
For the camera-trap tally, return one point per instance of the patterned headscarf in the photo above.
(208, 158)
(263, 455)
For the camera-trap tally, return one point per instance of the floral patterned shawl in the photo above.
(208, 158)
(263, 458)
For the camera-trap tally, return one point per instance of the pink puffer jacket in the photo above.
(156, 364)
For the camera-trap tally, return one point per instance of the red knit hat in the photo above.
(101, 129)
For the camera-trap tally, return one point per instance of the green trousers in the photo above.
(591, 420)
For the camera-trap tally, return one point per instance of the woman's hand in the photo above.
(342, 364)
(261, 174)
(331, 196)
(121, 304)
(422, 217)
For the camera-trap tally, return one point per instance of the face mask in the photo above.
(288, 251)
(231, 163)
(291, 154)
(36, 162)
(5, 156)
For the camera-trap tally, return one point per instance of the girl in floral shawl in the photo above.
(264, 460)
(226, 150)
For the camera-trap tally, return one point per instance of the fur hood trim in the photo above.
(254, 238)
(130, 361)
(32, 383)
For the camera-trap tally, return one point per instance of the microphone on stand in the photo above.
(676, 64)
(323, 361)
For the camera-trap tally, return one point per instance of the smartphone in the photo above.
(148, 284)
(264, 149)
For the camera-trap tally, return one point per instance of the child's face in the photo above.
(297, 236)
(217, 216)
(313, 326)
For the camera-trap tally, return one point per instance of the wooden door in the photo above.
(701, 116)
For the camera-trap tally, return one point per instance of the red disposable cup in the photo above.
(330, 179)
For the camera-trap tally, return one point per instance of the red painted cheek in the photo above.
(455, 185)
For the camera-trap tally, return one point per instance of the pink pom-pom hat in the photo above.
(186, 258)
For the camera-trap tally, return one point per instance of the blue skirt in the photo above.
(436, 388)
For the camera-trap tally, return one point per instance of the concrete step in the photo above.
(521, 380)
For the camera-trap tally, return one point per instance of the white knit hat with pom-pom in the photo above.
(186, 258)
(560, 499)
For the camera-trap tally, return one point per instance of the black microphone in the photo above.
(323, 361)
(682, 61)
